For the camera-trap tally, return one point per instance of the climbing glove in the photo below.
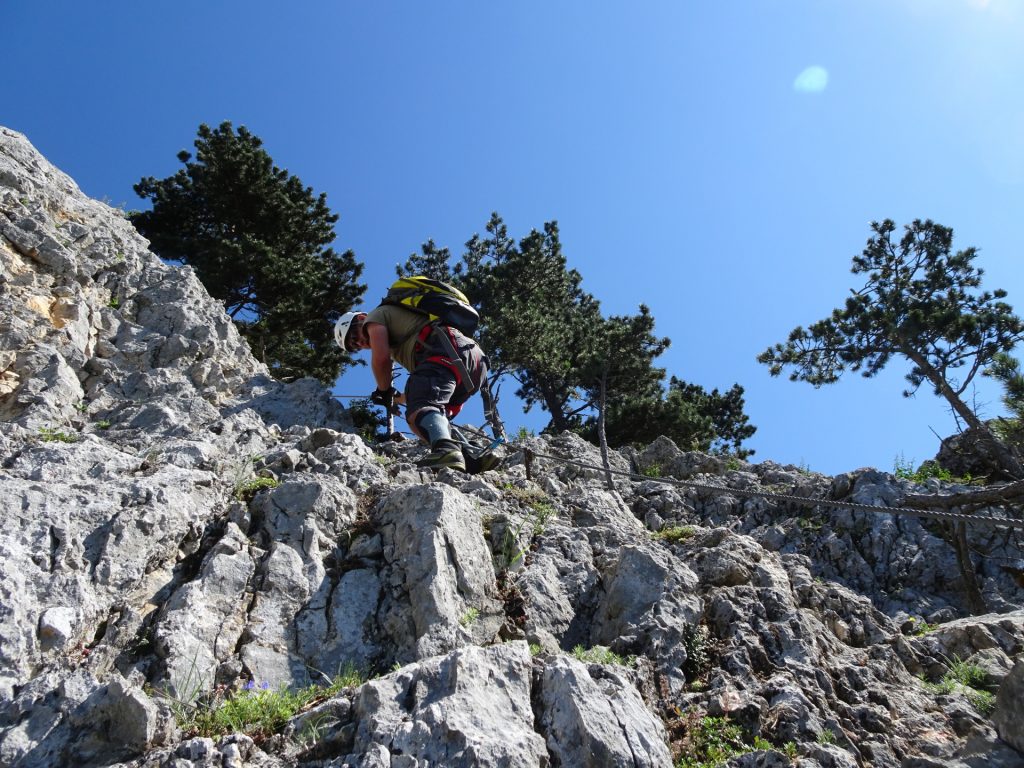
(384, 397)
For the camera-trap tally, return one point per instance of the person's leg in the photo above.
(427, 393)
(433, 425)
(476, 362)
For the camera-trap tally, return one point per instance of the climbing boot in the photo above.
(477, 464)
(443, 453)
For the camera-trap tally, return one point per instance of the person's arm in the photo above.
(380, 355)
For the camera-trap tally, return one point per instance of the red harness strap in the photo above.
(441, 359)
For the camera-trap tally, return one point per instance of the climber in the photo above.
(445, 368)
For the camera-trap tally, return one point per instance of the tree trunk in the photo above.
(972, 589)
(1003, 454)
(555, 407)
(490, 400)
(602, 438)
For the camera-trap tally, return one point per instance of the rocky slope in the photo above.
(496, 620)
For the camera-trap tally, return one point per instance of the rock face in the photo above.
(495, 620)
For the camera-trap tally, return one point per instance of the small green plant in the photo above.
(789, 750)
(827, 736)
(53, 435)
(511, 552)
(312, 730)
(349, 676)
(114, 302)
(698, 660)
(710, 742)
(536, 649)
(763, 744)
(969, 679)
(599, 655)
(983, 701)
(674, 534)
(528, 496)
(904, 469)
(541, 510)
(732, 464)
(652, 471)
(248, 489)
(944, 686)
(811, 524)
(965, 673)
(256, 709)
(103, 424)
(523, 433)
(81, 407)
(921, 628)
(469, 617)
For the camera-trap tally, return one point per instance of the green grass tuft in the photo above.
(674, 534)
(600, 655)
(969, 679)
(248, 489)
(257, 710)
(52, 435)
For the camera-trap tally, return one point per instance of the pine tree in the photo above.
(922, 302)
(1007, 371)
(695, 419)
(619, 366)
(259, 241)
(540, 328)
(432, 262)
(730, 425)
(537, 320)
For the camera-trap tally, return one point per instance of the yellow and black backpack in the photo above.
(442, 303)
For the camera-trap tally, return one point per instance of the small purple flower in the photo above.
(265, 685)
(250, 685)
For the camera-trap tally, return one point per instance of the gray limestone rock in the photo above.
(203, 621)
(468, 708)
(438, 573)
(649, 603)
(179, 524)
(1009, 706)
(594, 718)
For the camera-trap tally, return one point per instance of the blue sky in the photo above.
(692, 158)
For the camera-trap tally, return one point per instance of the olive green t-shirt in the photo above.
(401, 324)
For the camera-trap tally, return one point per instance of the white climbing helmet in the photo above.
(341, 328)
